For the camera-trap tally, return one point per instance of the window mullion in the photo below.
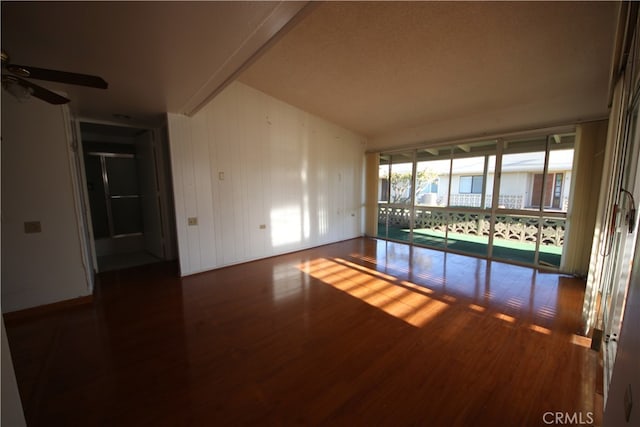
(412, 208)
(495, 195)
(545, 172)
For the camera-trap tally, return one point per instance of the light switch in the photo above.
(31, 227)
(221, 176)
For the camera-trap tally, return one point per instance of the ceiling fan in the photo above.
(14, 80)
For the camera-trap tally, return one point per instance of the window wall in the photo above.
(395, 196)
(451, 198)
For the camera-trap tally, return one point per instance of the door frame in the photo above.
(160, 143)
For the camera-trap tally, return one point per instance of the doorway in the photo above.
(126, 182)
(552, 193)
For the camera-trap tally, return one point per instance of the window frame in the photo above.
(474, 181)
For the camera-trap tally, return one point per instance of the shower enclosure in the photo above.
(114, 194)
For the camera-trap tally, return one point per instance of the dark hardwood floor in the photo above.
(362, 332)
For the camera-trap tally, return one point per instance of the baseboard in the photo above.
(265, 257)
(42, 310)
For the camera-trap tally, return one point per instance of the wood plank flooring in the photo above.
(361, 332)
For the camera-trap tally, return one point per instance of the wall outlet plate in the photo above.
(31, 227)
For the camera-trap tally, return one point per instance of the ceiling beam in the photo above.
(284, 16)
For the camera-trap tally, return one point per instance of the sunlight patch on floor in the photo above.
(540, 329)
(505, 317)
(401, 299)
(412, 303)
(478, 308)
(581, 341)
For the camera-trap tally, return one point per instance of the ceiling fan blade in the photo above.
(58, 76)
(42, 93)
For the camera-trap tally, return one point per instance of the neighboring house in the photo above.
(520, 186)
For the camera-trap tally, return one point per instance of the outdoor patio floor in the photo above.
(503, 249)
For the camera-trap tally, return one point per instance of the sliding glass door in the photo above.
(395, 199)
(502, 199)
(432, 193)
(534, 187)
(471, 187)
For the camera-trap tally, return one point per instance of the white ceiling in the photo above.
(156, 56)
(398, 73)
(405, 72)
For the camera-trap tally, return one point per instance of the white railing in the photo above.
(505, 201)
(509, 227)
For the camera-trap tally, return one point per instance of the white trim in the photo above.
(76, 166)
(281, 17)
(506, 135)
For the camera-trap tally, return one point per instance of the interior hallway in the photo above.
(125, 260)
(354, 333)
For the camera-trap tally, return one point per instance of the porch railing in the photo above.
(509, 227)
(505, 201)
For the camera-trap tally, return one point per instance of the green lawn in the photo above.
(508, 250)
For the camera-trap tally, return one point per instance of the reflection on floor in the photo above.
(362, 332)
(503, 249)
(127, 260)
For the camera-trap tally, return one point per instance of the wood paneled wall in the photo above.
(262, 178)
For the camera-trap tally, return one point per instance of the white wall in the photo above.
(626, 372)
(246, 160)
(37, 185)
(516, 183)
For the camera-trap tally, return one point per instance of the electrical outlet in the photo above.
(263, 226)
(192, 220)
(31, 227)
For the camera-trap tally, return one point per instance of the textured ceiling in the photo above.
(401, 73)
(156, 56)
(398, 73)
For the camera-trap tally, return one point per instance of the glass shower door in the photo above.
(114, 195)
(124, 195)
